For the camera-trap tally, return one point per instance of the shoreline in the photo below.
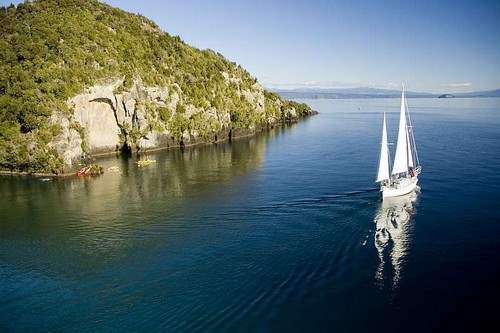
(151, 150)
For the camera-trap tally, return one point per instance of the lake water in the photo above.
(281, 232)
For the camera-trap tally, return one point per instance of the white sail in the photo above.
(383, 165)
(401, 159)
(411, 139)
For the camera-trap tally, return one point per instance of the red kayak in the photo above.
(83, 171)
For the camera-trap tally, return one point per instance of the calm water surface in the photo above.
(280, 232)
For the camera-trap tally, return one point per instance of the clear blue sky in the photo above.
(432, 45)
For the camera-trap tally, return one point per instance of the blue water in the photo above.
(281, 232)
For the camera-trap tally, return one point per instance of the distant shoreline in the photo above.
(359, 93)
(290, 96)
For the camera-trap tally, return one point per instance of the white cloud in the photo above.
(313, 84)
(459, 85)
(393, 85)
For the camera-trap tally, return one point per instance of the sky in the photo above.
(434, 46)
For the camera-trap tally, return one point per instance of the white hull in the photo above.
(404, 187)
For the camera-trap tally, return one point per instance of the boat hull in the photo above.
(393, 191)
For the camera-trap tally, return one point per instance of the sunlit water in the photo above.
(283, 231)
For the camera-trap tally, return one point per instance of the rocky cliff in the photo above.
(84, 78)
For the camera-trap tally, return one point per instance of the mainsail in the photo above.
(402, 151)
(383, 165)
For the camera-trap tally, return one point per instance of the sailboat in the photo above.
(404, 176)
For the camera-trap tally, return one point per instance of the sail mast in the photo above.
(412, 137)
(401, 159)
(383, 165)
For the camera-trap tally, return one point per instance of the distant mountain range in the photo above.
(346, 93)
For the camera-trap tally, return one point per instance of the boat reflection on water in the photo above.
(393, 236)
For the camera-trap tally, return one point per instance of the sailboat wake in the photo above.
(324, 198)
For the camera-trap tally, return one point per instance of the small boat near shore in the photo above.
(404, 176)
(83, 171)
(92, 170)
(143, 163)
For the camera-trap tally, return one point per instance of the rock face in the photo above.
(97, 117)
(106, 118)
(69, 142)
